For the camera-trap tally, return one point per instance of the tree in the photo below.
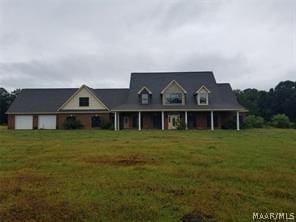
(281, 99)
(6, 99)
(285, 99)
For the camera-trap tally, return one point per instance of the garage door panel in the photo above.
(23, 122)
(47, 121)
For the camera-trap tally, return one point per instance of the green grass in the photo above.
(91, 175)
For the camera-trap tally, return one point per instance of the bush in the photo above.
(293, 125)
(253, 121)
(280, 121)
(107, 126)
(230, 124)
(181, 125)
(72, 123)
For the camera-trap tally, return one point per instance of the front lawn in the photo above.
(92, 175)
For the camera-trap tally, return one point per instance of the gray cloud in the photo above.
(66, 43)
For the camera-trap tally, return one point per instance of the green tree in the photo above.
(6, 99)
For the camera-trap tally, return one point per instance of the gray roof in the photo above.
(50, 100)
(221, 95)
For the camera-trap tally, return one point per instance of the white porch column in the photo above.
(237, 121)
(186, 120)
(139, 121)
(162, 120)
(115, 121)
(118, 121)
(212, 120)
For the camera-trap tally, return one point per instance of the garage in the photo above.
(23, 122)
(47, 122)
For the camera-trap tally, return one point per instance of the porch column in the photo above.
(162, 120)
(115, 121)
(139, 121)
(237, 121)
(212, 120)
(186, 120)
(118, 121)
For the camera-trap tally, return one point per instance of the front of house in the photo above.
(165, 100)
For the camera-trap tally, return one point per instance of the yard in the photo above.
(92, 175)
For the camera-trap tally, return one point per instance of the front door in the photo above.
(126, 122)
(173, 121)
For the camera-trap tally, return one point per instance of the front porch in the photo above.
(177, 120)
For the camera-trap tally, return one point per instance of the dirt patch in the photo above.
(29, 201)
(197, 217)
(15, 185)
(35, 207)
(130, 160)
(280, 193)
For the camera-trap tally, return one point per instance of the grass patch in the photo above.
(92, 175)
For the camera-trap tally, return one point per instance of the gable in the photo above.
(73, 102)
(172, 87)
(203, 89)
(144, 90)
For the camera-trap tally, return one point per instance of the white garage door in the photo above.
(47, 121)
(23, 122)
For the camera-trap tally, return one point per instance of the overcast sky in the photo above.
(67, 43)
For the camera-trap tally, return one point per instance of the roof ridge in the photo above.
(110, 88)
(161, 72)
(223, 83)
(47, 88)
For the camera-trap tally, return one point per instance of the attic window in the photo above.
(202, 97)
(173, 98)
(83, 101)
(144, 99)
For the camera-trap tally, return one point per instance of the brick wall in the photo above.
(85, 119)
(11, 121)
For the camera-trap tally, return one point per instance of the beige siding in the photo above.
(94, 103)
(173, 88)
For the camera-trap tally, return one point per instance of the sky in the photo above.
(67, 43)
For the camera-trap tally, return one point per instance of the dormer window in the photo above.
(144, 95)
(202, 96)
(145, 98)
(83, 101)
(173, 94)
(173, 98)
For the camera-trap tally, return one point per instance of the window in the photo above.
(83, 101)
(144, 98)
(95, 121)
(173, 98)
(71, 118)
(202, 97)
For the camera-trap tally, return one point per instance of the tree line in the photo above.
(278, 100)
(6, 98)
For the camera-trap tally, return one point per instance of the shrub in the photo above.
(181, 125)
(72, 123)
(293, 125)
(230, 124)
(107, 126)
(280, 121)
(253, 121)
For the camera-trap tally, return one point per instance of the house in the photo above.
(162, 100)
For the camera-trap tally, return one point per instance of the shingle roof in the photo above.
(49, 100)
(221, 95)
